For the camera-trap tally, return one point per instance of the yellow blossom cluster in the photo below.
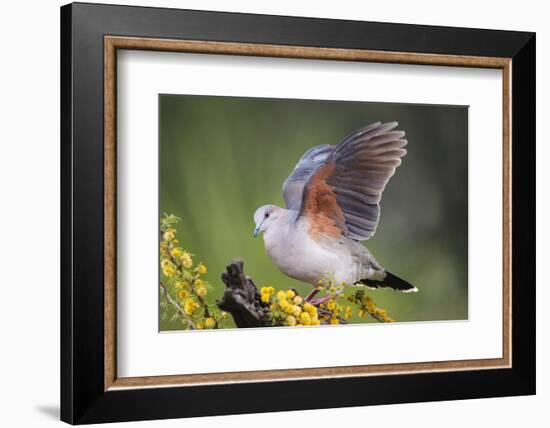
(333, 312)
(286, 307)
(168, 268)
(367, 306)
(335, 308)
(190, 305)
(266, 293)
(183, 290)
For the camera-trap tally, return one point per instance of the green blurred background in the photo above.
(223, 157)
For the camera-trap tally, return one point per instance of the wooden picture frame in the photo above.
(91, 390)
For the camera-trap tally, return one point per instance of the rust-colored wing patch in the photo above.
(321, 207)
(342, 195)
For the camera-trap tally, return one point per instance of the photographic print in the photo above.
(310, 194)
(305, 213)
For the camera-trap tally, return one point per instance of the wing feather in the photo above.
(293, 186)
(320, 205)
(342, 195)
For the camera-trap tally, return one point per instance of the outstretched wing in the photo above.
(342, 195)
(293, 186)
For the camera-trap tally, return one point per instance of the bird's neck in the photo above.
(280, 226)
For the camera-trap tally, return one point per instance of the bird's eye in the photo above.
(266, 215)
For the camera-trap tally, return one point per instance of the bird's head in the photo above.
(264, 217)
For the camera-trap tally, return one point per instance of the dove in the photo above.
(332, 200)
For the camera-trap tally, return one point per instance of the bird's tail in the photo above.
(390, 281)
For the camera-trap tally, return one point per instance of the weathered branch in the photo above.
(242, 299)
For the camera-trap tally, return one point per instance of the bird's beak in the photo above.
(258, 229)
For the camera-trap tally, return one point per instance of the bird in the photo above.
(332, 204)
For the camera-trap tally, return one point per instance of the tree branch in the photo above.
(242, 299)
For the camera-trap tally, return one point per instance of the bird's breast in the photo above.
(299, 256)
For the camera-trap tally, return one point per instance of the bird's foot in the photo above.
(311, 295)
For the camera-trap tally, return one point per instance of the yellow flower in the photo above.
(348, 312)
(310, 309)
(290, 294)
(361, 313)
(281, 296)
(210, 322)
(267, 290)
(189, 306)
(200, 325)
(169, 235)
(201, 269)
(182, 285)
(315, 321)
(296, 310)
(369, 303)
(183, 294)
(287, 307)
(298, 300)
(334, 321)
(290, 320)
(331, 305)
(266, 293)
(305, 318)
(200, 287)
(176, 252)
(186, 260)
(169, 270)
